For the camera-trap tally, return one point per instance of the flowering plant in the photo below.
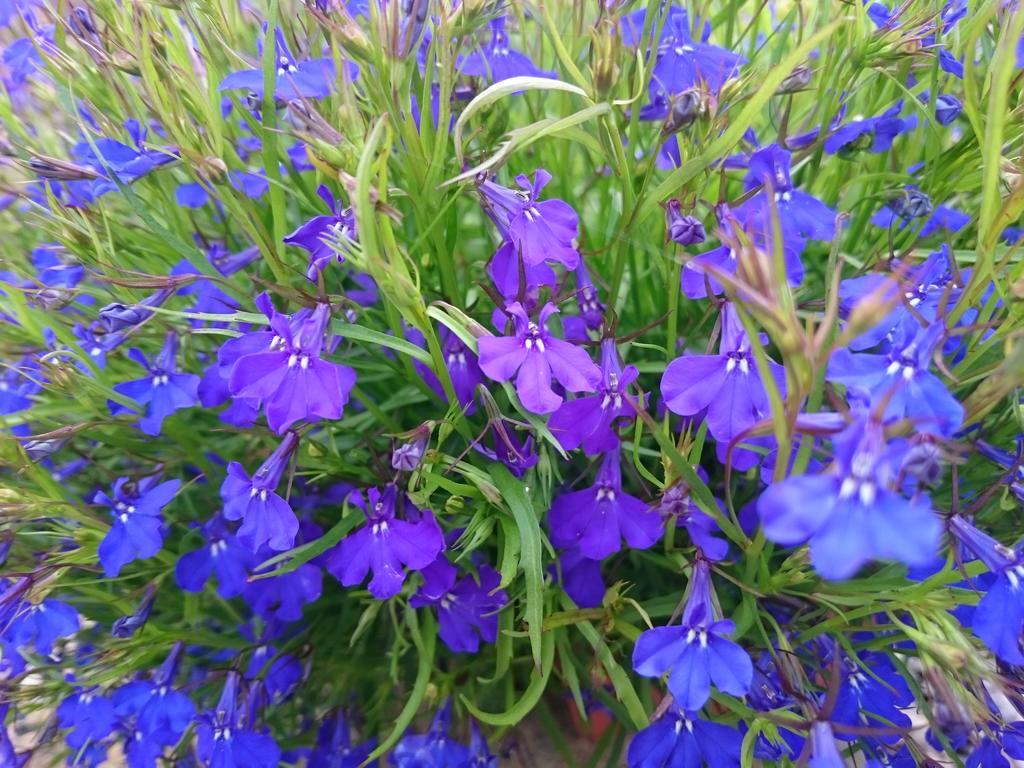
(384, 379)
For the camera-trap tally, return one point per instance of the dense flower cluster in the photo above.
(380, 376)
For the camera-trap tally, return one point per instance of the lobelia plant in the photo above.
(413, 383)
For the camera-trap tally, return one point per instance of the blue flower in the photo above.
(387, 545)
(267, 518)
(875, 134)
(310, 79)
(226, 739)
(222, 554)
(698, 652)
(852, 514)
(162, 392)
(540, 230)
(467, 609)
(285, 370)
(137, 530)
(317, 234)
(597, 519)
(497, 61)
(334, 747)
(799, 214)
(161, 714)
(902, 375)
(283, 597)
(433, 749)
(89, 714)
(681, 740)
(592, 421)
(41, 624)
(535, 356)
(999, 617)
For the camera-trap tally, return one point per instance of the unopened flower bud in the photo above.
(682, 228)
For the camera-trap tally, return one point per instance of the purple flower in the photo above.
(911, 204)
(591, 308)
(799, 214)
(683, 62)
(999, 618)
(311, 79)
(580, 578)
(539, 230)
(54, 268)
(227, 740)
(875, 134)
(698, 652)
(496, 61)
(509, 273)
(518, 455)
(288, 375)
(40, 625)
(161, 713)
(592, 421)
(598, 518)
(467, 609)
(18, 383)
(317, 234)
(282, 597)
(163, 391)
(824, 751)
(728, 384)
(137, 532)
(90, 715)
(538, 357)
(433, 749)
(677, 504)
(680, 740)
(221, 554)
(463, 368)
(902, 375)
(852, 514)
(925, 288)
(947, 107)
(334, 747)
(267, 518)
(387, 545)
(873, 694)
(684, 230)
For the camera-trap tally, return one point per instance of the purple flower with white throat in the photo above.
(387, 545)
(538, 357)
(267, 518)
(226, 738)
(539, 230)
(319, 233)
(310, 79)
(467, 608)
(223, 555)
(902, 375)
(999, 618)
(162, 392)
(698, 652)
(291, 378)
(592, 421)
(161, 714)
(497, 60)
(137, 531)
(799, 214)
(728, 384)
(682, 740)
(852, 514)
(598, 518)
(40, 625)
